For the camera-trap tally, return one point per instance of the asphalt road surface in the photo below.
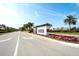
(23, 44)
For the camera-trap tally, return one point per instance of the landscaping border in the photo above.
(54, 40)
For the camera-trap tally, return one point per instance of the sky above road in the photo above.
(17, 14)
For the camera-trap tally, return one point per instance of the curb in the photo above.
(67, 34)
(60, 42)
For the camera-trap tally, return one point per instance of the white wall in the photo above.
(41, 29)
(34, 30)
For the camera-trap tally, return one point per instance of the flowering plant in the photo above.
(63, 37)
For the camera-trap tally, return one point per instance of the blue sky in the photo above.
(15, 15)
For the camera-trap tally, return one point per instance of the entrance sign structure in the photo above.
(42, 29)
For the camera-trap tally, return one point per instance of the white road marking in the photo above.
(17, 45)
(28, 38)
(5, 40)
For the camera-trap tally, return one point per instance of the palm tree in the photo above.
(25, 26)
(30, 25)
(70, 20)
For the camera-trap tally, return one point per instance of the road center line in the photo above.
(5, 40)
(16, 48)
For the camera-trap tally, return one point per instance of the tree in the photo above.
(30, 25)
(4, 28)
(70, 20)
(77, 29)
(22, 29)
(25, 26)
(73, 28)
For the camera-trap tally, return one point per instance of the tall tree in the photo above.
(25, 26)
(30, 25)
(70, 20)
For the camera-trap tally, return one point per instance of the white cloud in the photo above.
(7, 10)
(9, 15)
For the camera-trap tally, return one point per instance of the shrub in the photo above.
(63, 37)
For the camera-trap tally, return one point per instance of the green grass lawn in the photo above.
(71, 33)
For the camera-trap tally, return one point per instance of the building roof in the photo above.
(46, 24)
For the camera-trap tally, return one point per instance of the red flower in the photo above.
(63, 37)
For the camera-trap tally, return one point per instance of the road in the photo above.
(23, 44)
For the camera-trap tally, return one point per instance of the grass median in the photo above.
(69, 33)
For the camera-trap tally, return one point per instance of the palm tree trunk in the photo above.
(69, 27)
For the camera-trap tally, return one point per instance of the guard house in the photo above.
(42, 29)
